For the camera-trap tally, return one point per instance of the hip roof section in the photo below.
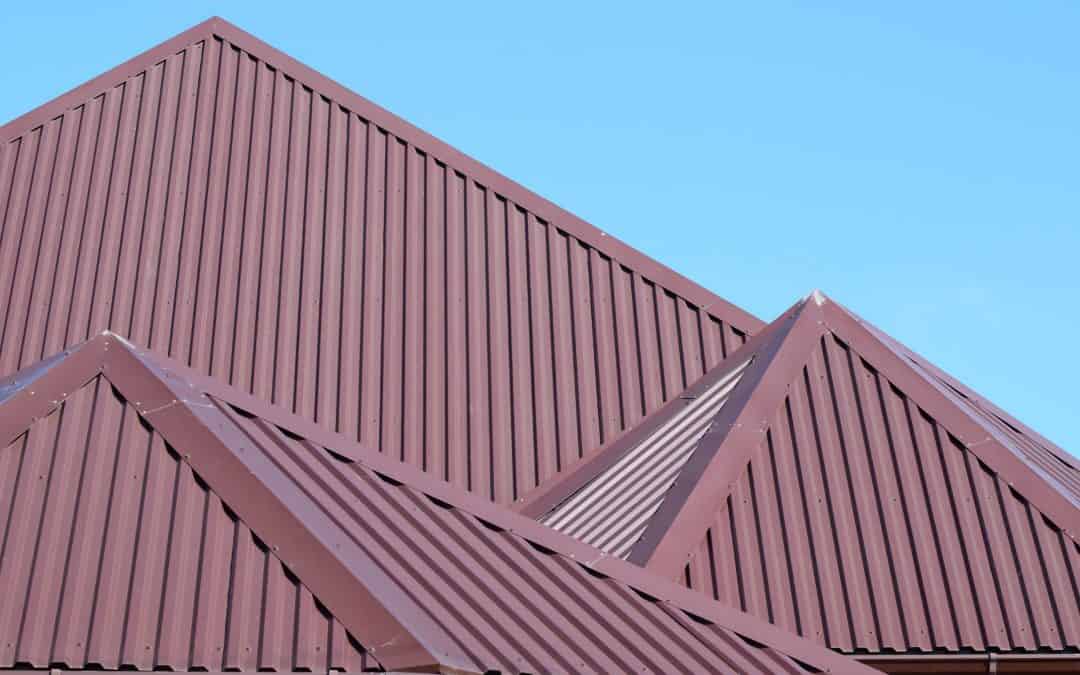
(422, 575)
(611, 511)
(116, 554)
(851, 493)
(227, 206)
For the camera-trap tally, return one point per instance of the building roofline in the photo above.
(455, 159)
(563, 485)
(176, 402)
(722, 454)
(206, 439)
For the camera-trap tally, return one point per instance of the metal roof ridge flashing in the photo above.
(560, 487)
(945, 405)
(724, 451)
(524, 528)
(47, 384)
(179, 409)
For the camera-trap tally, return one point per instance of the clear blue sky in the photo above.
(918, 161)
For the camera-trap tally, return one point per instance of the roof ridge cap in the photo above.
(1044, 492)
(727, 447)
(131, 365)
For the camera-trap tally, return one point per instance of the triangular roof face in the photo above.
(233, 209)
(852, 493)
(116, 554)
(414, 573)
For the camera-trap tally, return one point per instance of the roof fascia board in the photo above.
(991, 662)
(560, 487)
(724, 451)
(946, 407)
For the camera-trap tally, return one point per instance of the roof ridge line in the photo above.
(938, 376)
(443, 152)
(205, 438)
(504, 518)
(563, 485)
(1043, 491)
(483, 174)
(727, 447)
(135, 367)
(702, 486)
(35, 391)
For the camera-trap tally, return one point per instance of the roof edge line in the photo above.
(52, 108)
(479, 172)
(562, 486)
(524, 528)
(943, 405)
(545, 209)
(45, 390)
(206, 439)
(724, 451)
(908, 354)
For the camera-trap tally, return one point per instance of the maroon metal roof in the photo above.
(227, 206)
(611, 511)
(422, 574)
(848, 492)
(114, 553)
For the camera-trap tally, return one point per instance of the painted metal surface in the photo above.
(611, 511)
(850, 493)
(231, 208)
(115, 554)
(862, 523)
(479, 587)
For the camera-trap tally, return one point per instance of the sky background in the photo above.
(919, 161)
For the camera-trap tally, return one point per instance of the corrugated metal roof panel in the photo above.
(851, 493)
(477, 587)
(228, 206)
(863, 523)
(115, 554)
(612, 510)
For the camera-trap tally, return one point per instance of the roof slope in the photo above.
(611, 511)
(227, 206)
(115, 553)
(845, 494)
(423, 575)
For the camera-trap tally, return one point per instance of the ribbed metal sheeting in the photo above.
(215, 209)
(611, 512)
(114, 555)
(1051, 462)
(508, 605)
(862, 524)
